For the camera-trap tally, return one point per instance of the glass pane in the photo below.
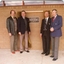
(31, 2)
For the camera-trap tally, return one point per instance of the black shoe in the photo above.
(54, 59)
(27, 51)
(46, 54)
(42, 53)
(21, 51)
(51, 56)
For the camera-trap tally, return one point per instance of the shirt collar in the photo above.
(47, 18)
(55, 16)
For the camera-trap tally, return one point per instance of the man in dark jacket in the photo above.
(11, 24)
(45, 33)
(23, 30)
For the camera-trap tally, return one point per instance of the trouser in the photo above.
(46, 43)
(26, 41)
(13, 42)
(55, 46)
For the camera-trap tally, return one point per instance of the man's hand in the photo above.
(40, 34)
(29, 33)
(10, 34)
(51, 29)
(19, 33)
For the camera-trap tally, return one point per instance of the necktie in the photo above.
(46, 21)
(25, 24)
(53, 19)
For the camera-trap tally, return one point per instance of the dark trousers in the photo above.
(46, 43)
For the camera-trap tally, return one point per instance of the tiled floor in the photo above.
(34, 57)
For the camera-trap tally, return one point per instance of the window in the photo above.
(30, 2)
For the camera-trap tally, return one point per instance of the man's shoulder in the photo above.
(9, 17)
(15, 17)
(59, 16)
(49, 17)
(27, 18)
(43, 19)
(18, 17)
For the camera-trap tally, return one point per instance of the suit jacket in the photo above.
(10, 25)
(57, 24)
(21, 25)
(47, 26)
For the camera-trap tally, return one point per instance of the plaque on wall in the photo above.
(34, 19)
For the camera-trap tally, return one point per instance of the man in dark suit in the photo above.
(56, 33)
(11, 25)
(23, 30)
(45, 33)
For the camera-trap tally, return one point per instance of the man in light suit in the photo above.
(23, 30)
(11, 25)
(45, 32)
(56, 33)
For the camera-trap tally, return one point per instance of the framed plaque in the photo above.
(34, 19)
